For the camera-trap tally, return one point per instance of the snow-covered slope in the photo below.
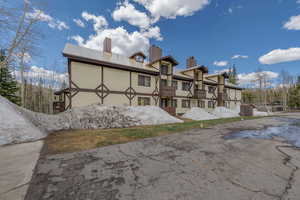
(150, 115)
(198, 114)
(223, 112)
(14, 127)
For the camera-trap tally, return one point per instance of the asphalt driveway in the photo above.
(197, 164)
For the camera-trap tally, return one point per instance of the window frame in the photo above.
(142, 80)
(185, 83)
(211, 89)
(162, 71)
(211, 104)
(175, 85)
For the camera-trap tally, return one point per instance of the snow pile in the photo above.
(150, 115)
(99, 116)
(14, 127)
(259, 113)
(223, 112)
(198, 114)
(95, 116)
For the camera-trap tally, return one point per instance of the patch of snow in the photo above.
(259, 113)
(198, 114)
(14, 127)
(151, 115)
(223, 112)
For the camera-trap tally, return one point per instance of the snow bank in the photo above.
(259, 113)
(99, 116)
(198, 114)
(14, 127)
(151, 115)
(223, 112)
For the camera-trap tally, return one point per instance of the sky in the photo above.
(250, 34)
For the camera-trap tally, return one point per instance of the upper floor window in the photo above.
(164, 82)
(144, 81)
(164, 69)
(185, 86)
(175, 84)
(211, 89)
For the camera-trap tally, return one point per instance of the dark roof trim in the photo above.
(138, 54)
(166, 58)
(107, 64)
(59, 92)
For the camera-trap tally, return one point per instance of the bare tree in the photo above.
(285, 82)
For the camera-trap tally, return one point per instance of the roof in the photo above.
(101, 58)
(166, 58)
(138, 54)
(202, 68)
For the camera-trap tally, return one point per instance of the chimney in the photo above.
(155, 53)
(107, 45)
(191, 62)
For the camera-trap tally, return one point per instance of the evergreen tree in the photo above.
(232, 75)
(8, 84)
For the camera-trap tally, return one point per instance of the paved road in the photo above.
(17, 163)
(197, 164)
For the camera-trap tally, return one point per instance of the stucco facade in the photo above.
(102, 77)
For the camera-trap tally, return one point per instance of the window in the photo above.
(174, 103)
(164, 69)
(175, 84)
(139, 58)
(185, 86)
(211, 89)
(164, 82)
(211, 104)
(143, 101)
(144, 81)
(186, 103)
(201, 104)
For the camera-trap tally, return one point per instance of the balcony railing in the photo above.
(167, 91)
(170, 110)
(200, 94)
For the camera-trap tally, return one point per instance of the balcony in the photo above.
(170, 110)
(167, 91)
(200, 94)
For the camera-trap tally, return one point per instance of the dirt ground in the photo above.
(196, 164)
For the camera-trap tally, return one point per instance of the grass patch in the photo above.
(78, 140)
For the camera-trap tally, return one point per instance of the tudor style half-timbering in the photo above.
(111, 79)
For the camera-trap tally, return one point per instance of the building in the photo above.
(111, 79)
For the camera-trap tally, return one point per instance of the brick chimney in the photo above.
(191, 62)
(155, 53)
(107, 45)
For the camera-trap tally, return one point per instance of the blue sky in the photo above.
(212, 31)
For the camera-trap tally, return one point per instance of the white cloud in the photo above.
(172, 9)
(250, 78)
(99, 21)
(79, 23)
(127, 12)
(298, 1)
(280, 55)
(220, 63)
(52, 22)
(230, 10)
(153, 32)
(123, 42)
(222, 71)
(239, 57)
(293, 23)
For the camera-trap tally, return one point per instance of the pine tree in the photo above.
(8, 84)
(232, 75)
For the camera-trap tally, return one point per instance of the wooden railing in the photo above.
(167, 91)
(170, 110)
(200, 94)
